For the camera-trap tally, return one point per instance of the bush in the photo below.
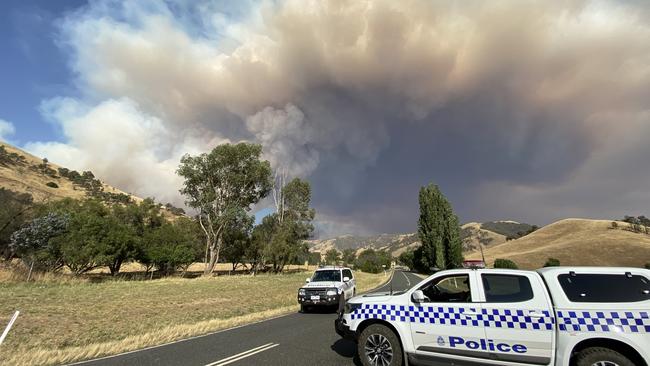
(505, 263)
(647, 265)
(614, 225)
(552, 262)
(52, 185)
(372, 261)
(36, 245)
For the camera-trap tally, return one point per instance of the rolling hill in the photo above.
(575, 242)
(25, 173)
(488, 234)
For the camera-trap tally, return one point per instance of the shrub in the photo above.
(647, 265)
(35, 243)
(372, 261)
(552, 262)
(52, 185)
(505, 263)
(614, 225)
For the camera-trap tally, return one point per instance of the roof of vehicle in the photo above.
(549, 271)
(324, 268)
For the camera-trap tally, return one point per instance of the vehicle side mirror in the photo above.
(418, 296)
(346, 279)
(308, 280)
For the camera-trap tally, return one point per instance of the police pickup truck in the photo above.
(582, 316)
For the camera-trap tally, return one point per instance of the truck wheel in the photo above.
(379, 346)
(599, 356)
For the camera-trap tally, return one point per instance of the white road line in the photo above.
(407, 279)
(241, 356)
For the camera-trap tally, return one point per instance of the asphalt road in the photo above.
(294, 339)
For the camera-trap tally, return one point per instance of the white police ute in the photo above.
(582, 316)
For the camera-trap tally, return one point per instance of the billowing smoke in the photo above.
(6, 129)
(519, 109)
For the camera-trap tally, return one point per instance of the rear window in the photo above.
(506, 288)
(605, 287)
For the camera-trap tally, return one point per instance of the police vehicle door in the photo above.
(445, 324)
(518, 318)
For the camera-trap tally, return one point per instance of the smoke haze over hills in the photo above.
(535, 110)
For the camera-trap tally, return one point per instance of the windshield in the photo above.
(321, 276)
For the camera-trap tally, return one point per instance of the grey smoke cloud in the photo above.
(522, 110)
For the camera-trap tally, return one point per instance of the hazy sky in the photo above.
(523, 110)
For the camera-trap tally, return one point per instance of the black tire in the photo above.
(376, 343)
(600, 356)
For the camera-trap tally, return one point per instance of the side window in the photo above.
(448, 289)
(605, 287)
(347, 273)
(506, 288)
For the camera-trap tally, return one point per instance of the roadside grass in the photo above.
(70, 320)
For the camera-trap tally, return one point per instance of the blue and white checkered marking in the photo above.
(568, 321)
(604, 321)
(439, 315)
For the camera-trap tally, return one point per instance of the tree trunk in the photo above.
(213, 260)
(115, 267)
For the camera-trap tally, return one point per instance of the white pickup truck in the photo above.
(582, 316)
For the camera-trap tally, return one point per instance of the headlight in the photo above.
(332, 292)
(349, 307)
(301, 292)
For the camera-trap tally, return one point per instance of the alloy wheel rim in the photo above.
(379, 350)
(605, 363)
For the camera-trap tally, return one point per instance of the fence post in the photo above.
(11, 322)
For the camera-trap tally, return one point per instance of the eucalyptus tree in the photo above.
(219, 185)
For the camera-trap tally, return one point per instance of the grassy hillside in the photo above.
(393, 243)
(508, 229)
(577, 242)
(474, 234)
(488, 233)
(25, 173)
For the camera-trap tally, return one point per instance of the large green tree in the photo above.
(279, 239)
(439, 232)
(172, 246)
(220, 184)
(237, 239)
(332, 256)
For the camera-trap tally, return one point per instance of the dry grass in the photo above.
(64, 322)
(24, 180)
(575, 242)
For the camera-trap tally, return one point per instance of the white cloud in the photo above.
(6, 129)
(121, 143)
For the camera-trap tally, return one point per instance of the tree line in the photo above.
(369, 260)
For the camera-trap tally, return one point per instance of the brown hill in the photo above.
(473, 234)
(26, 173)
(576, 242)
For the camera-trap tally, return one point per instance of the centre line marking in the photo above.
(241, 356)
(407, 279)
